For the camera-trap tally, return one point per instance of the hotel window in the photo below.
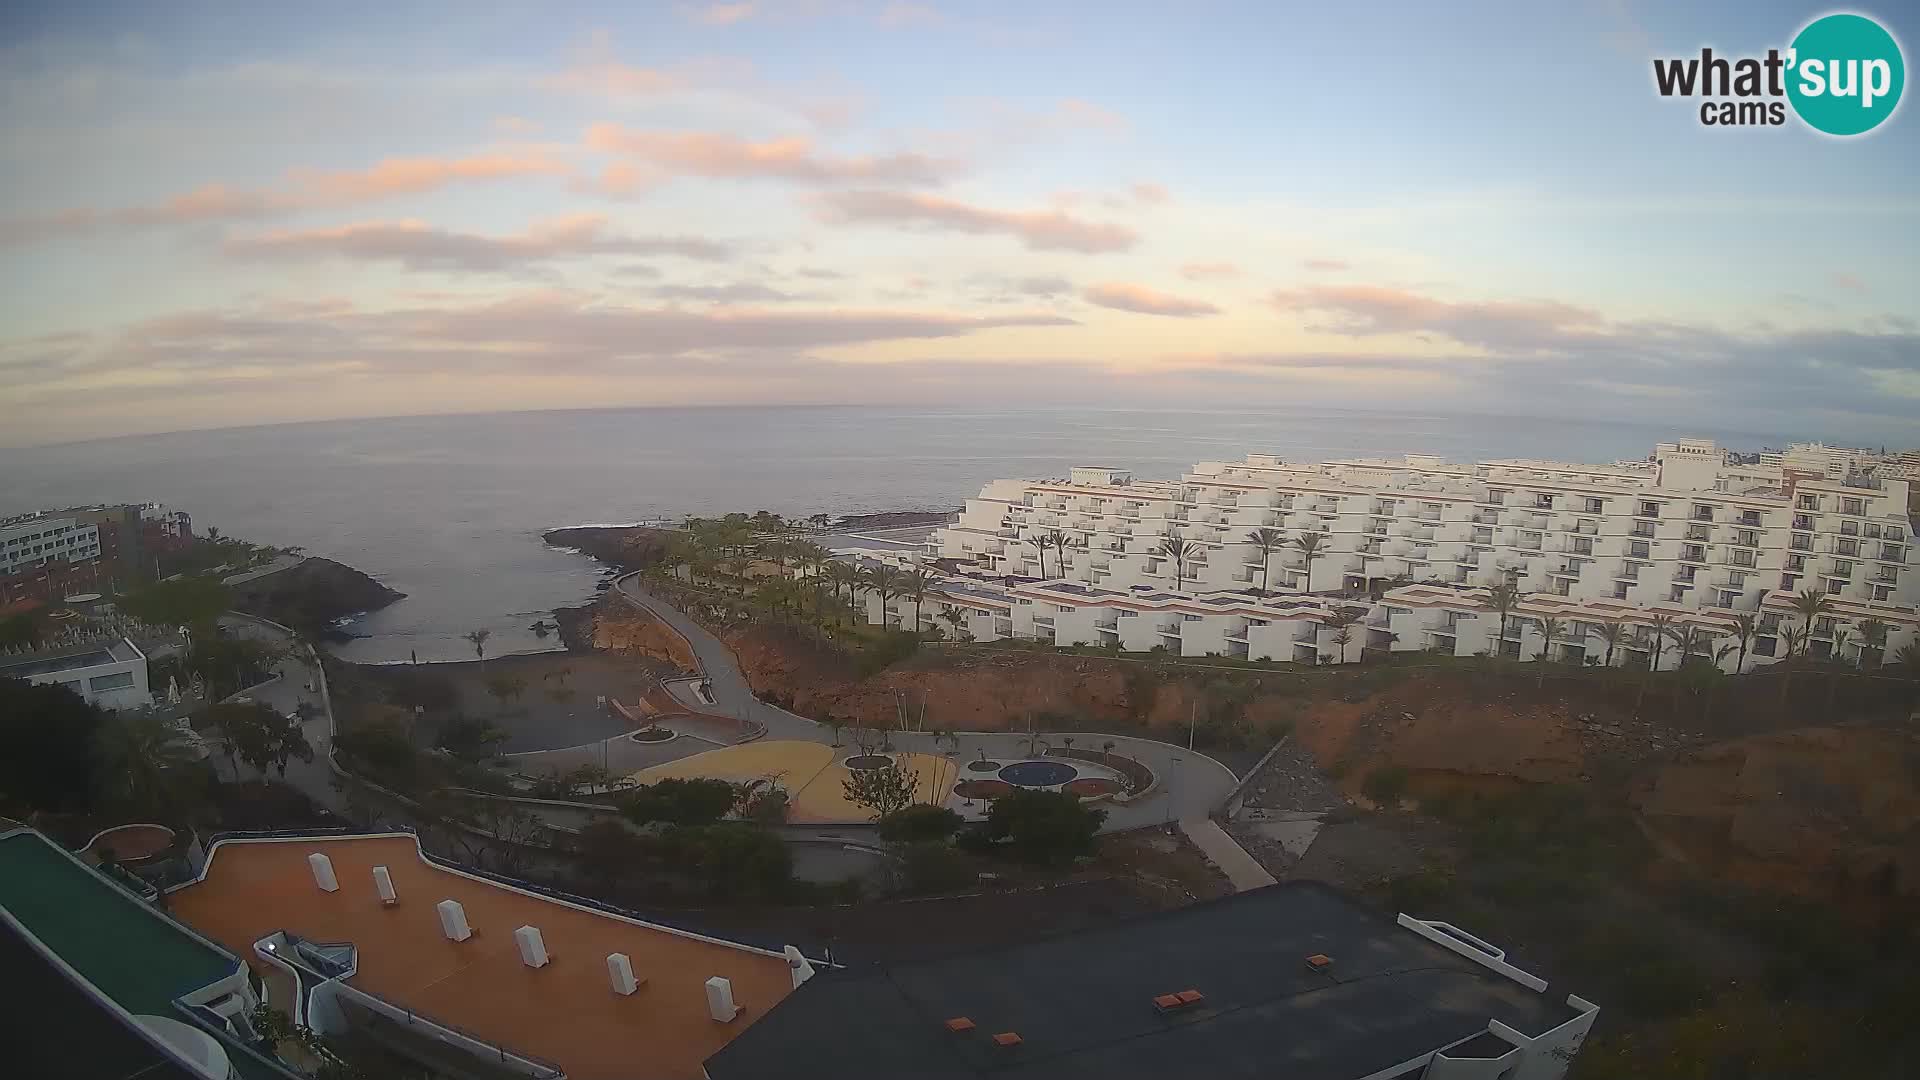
(1853, 506)
(1849, 528)
(1743, 558)
(1643, 528)
(1677, 593)
(1702, 512)
(1746, 538)
(982, 612)
(1787, 582)
(1796, 563)
(1842, 568)
(1728, 599)
(1595, 506)
(1808, 502)
(1189, 618)
(1801, 542)
(1846, 547)
(1698, 532)
(1650, 509)
(1639, 549)
(1894, 533)
(1619, 592)
(1883, 592)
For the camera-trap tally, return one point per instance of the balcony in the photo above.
(1628, 572)
(1803, 522)
(1750, 518)
(1703, 513)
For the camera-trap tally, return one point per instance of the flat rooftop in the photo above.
(563, 1012)
(132, 953)
(1083, 1003)
(68, 659)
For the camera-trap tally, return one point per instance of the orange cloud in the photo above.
(1207, 271)
(721, 14)
(304, 189)
(1325, 264)
(1150, 193)
(1124, 296)
(712, 154)
(1040, 230)
(1362, 310)
(419, 246)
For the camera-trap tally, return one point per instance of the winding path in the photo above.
(1192, 785)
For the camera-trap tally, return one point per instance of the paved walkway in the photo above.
(285, 695)
(1232, 859)
(1191, 783)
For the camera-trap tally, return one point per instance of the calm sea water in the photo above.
(449, 510)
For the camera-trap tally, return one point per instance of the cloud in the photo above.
(1088, 115)
(713, 154)
(1150, 193)
(419, 246)
(1209, 271)
(1851, 282)
(720, 14)
(738, 292)
(1039, 230)
(1325, 265)
(1140, 299)
(900, 14)
(303, 189)
(1363, 310)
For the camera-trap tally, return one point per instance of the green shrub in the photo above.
(936, 868)
(921, 824)
(1385, 785)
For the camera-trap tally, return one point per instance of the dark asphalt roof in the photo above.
(1082, 1003)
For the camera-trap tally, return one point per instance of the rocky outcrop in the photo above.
(623, 628)
(628, 547)
(312, 593)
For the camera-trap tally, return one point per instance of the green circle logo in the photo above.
(1845, 74)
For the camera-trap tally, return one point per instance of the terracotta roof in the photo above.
(564, 1012)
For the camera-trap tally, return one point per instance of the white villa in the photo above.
(1686, 535)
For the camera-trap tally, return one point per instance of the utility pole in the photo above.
(1193, 721)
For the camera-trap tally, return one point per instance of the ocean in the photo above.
(450, 509)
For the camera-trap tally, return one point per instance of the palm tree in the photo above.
(1810, 605)
(842, 575)
(1342, 621)
(1613, 632)
(884, 580)
(1266, 540)
(1059, 538)
(1549, 629)
(1839, 661)
(1794, 637)
(1660, 624)
(1745, 625)
(916, 586)
(142, 759)
(1502, 598)
(1873, 637)
(1309, 545)
(956, 618)
(1179, 551)
(479, 639)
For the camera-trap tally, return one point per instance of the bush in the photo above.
(734, 860)
(680, 802)
(936, 868)
(921, 824)
(1044, 826)
(1385, 785)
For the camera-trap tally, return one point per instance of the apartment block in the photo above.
(32, 542)
(1686, 534)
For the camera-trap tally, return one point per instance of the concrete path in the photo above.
(284, 695)
(1232, 859)
(1191, 783)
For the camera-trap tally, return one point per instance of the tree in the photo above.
(844, 575)
(1873, 641)
(1745, 625)
(1810, 605)
(1661, 624)
(1060, 539)
(920, 824)
(1044, 826)
(1180, 551)
(677, 801)
(1907, 664)
(256, 734)
(1550, 628)
(884, 791)
(733, 859)
(1266, 540)
(916, 585)
(1612, 632)
(957, 618)
(186, 601)
(144, 760)
(1793, 636)
(506, 688)
(1839, 660)
(1342, 621)
(1309, 545)
(479, 640)
(471, 740)
(47, 738)
(381, 748)
(1502, 598)
(884, 580)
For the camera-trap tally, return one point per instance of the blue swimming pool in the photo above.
(1038, 774)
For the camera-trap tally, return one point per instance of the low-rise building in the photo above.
(109, 672)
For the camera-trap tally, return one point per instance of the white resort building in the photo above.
(1409, 548)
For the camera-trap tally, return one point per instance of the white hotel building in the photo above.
(1686, 535)
(27, 543)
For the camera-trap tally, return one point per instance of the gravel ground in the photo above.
(1290, 782)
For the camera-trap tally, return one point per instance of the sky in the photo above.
(227, 214)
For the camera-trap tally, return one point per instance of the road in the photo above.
(1192, 785)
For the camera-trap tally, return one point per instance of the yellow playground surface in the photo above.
(811, 772)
